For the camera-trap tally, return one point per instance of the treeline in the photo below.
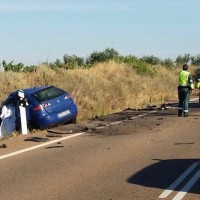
(142, 65)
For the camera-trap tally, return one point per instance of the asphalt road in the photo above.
(134, 155)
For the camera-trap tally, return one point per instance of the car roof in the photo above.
(34, 89)
(29, 91)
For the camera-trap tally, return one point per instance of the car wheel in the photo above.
(73, 121)
(30, 126)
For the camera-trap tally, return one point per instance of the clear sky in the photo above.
(34, 31)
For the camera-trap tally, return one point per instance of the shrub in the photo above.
(73, 61)
(152, 60)
(139, 65)
(168, 63)
(196, 60)
(102, 56)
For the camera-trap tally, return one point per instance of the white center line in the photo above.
(170, 189)
(68, 137)
(187, 187)
(60, 139)
(40, 145)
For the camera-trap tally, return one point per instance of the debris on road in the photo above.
(53, 135)
(3, 146)
(97, 123)
(53, 147)
(182, 143)
(36, 139)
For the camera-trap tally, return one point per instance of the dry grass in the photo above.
(103, 89)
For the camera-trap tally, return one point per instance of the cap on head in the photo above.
(185, 67)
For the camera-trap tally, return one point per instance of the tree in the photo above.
(110, 54)
(196, 60)
(56, 64)
(30, 68)
(168, 63)
(102, 56)
(12, 67)
(152, 60)
(180, 60)
(186, 58)
(4, 63)
(127, 59)
(73, 61)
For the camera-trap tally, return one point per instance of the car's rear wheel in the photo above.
(73, 121)
(31, 125)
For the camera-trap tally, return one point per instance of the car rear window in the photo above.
(48, 93)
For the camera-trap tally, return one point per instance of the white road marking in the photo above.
(40, 145)
(142, 115)
(177, 103)
(187, 187)
(71, 136)
(170, 189)
(194, 99)
(61, 139)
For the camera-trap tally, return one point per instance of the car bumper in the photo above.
(56, 119)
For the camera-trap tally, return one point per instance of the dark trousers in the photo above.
(184, 98)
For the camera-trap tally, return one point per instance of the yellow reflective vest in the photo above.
(197, 83)
(185, 79)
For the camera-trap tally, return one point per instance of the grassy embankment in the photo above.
(100, 90)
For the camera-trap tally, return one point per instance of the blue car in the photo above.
(47, 106)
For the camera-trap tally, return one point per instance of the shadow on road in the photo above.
(163, 173)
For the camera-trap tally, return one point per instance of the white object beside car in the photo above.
(8, 125)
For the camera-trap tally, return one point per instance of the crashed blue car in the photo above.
(47, 106)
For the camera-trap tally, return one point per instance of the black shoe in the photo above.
(185, 114)
(179, 113)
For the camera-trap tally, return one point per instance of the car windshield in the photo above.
(48, 93)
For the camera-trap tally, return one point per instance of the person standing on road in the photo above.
(185, 87)
(197, 82)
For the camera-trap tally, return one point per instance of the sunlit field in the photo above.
(100, 90)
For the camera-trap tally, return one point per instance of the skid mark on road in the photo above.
(179, 180)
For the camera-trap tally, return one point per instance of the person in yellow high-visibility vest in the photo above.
(197, 82)
(185, 87)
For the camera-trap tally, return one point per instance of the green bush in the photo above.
(180, 60)
(142, 65)
(196, 60)
(168, 63)
(152, 60)
(197, 72)
(139, 65)
(20, 67)
(71, 62)
(102, 56)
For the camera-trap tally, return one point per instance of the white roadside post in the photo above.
(22, 108)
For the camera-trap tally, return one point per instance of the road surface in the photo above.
(139, 155)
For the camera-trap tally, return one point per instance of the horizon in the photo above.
(34, 31)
